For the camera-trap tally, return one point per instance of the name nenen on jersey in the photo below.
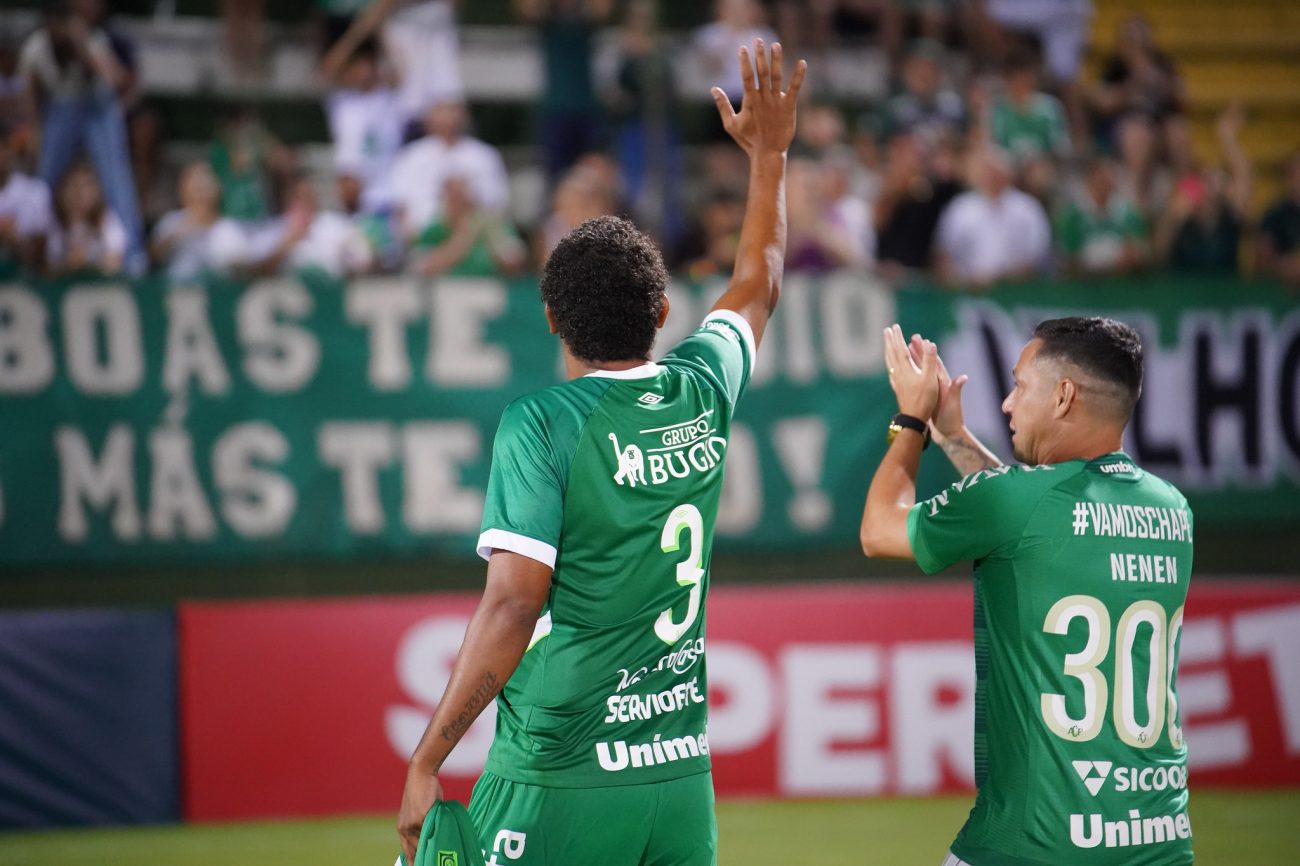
(1143, 568)
(1108, 520)
(684, 448)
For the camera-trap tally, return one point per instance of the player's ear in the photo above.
(663, 312)
(550, 319)
(1066, 393)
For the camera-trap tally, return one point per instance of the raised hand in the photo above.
(948, 420)
(916, 385)
(766, 120)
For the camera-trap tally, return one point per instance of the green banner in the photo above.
(299, 417)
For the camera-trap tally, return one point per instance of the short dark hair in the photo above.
(604, 285)
(1105, 348)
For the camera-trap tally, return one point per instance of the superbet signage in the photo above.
(312, 707)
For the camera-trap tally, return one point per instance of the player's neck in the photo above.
(1083, 446)
(576, 368)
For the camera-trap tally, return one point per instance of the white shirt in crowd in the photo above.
(366, 126)
(854, 215)
(199, 250)
(421, 40)
(333, 243)
(423, 166)
(99, 242)
(718, 43)
(26, 201)
(36, 61)
(985, 239)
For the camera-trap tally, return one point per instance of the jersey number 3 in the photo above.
(1157, 693)
(690, 571)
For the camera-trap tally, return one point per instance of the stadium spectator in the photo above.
(466, 240)
(379, 227)
(821, 132)
(252, 166)
(710, 251)
(584, 193)
(421, 39)
(181, 242)
(336, 17)
(1201, 228)
(736, 23)
(70, 72)
(912, 197)
(1277, 248)
(244, 32)
(858, 22)
(924, 105)
(85, 236)
(14, 105)
(308, 239)
(994, 232)
(365, 122)
(1060, 28)
(570, 113)
(821, 236)
(25, 211)
(648, 143)
(847, 209)
(1029, 125)
(1142, 175)
(422, 166)
(1099, 230)
(1139, 81)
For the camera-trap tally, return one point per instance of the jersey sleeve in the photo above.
(981, 515)
(723, 350)
(524, 508)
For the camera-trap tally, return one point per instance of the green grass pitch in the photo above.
(1231, 828)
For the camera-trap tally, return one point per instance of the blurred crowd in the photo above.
(994, 158)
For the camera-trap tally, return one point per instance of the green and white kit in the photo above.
(1081, 573)
(614, 480)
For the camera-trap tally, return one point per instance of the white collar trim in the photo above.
(645, 371)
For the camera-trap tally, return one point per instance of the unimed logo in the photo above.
(1097, 831)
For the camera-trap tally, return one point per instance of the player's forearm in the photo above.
(495, 641)
(966, 453)
(891, 495)
(760, 253)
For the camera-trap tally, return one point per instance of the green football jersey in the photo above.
(1081, 571)
(614, 480)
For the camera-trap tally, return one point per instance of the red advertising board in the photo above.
(311, 707)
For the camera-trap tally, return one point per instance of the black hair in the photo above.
(604, 285)
(1105, 348)
(1020, 59)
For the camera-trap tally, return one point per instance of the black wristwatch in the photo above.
(901, 422)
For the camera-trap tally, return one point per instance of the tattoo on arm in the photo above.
(486, 690)
(967, 456)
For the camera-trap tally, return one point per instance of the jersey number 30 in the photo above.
(1157, 693)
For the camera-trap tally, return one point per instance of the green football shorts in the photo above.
(661, 824)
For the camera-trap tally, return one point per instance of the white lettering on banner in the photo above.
(280, 357)
(111, 481)
(1275, 634)
(801, 445)
(115, 363)
(434, 500)
(359, 449)
(931, 733)
(26, 357)
(177, 505)
(424, 660)
(1135, 831)
(1218, 404)
(741, 505)
(743, 697)
(255, 502)
(854, 312)
(816, 722)
(1220, 742)
(459, 357)
(191, 349)
(385, 307)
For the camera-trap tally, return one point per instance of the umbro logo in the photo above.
(1086, 769)
(650, 399)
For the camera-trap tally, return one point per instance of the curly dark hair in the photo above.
(604, 285)
(1106, 348)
